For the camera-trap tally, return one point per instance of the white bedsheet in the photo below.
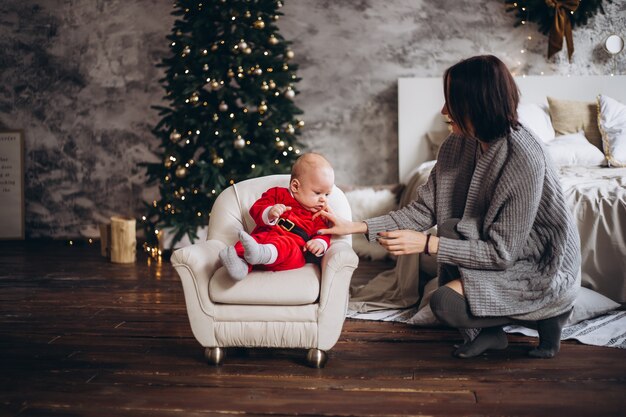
(597, 197)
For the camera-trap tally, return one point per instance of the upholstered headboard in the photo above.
(420, 101)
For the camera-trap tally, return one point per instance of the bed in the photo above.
(595, 192)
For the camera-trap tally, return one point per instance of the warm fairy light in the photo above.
(71, 242)
(297, 151)
(90, 240)
(143, 218)
(276, 161)
(212, 191)
(253, 166)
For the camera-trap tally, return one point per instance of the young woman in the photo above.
(507, 245)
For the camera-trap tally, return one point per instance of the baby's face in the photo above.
(312, 189)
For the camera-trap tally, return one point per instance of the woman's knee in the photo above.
(448, 307)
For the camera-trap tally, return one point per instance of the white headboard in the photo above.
(420, 101)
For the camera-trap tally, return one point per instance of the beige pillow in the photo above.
(570, 116)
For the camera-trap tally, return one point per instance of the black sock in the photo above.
(488, 338)
(549, 336)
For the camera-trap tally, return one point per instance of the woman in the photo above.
(507, 246)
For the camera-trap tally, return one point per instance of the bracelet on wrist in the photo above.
(426, 250)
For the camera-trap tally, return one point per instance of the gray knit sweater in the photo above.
(520, 253)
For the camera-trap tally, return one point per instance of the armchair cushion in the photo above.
(285, 288)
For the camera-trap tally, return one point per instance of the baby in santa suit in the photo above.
(286, 227)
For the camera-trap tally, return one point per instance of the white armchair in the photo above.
(301, 308)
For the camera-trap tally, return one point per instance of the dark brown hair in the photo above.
(481, 93)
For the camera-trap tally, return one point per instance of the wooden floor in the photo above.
(82, 337)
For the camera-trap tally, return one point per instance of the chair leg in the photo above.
(316, 358)
(215, 356)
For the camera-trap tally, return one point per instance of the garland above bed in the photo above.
(556, 17)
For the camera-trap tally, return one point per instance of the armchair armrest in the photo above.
(338, 264)
(340, 257)
(195, 265)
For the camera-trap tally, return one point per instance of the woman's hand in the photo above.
(403, 242)
(340, 226)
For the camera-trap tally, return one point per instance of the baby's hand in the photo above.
(276, 211)
(315, 247)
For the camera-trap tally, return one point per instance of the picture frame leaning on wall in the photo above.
(12, 185)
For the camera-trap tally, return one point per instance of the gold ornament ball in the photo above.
(247, 51)
(181, 172)
(194, 98)
(290, 129)
(239, 143)
(242, 45)
(186, 50)
(247, 14)
(272, 84)
(175, 136)
(223, 106)
(290, 54)
(301, 123)
(259, 24)
(205, 67)
(214, 47)
(230, 73)
(263, 108)
(167, 163)
(215, 85)
(273, 40)
(290, 93)
(264, 86)
(280, 144)
(218, 161)
(258, 71)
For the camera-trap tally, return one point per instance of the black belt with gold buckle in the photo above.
(290, 226)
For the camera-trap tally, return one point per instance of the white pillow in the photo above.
(537, 119)
(366, 203)
(590, 304)
(574, 149)
(612, 124)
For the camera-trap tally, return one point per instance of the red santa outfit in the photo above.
(288, 244)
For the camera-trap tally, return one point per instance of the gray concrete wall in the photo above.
(79, 77)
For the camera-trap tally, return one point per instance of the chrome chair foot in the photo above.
(215, 356)
(316, 358)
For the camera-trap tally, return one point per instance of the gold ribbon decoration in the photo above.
(562, 26)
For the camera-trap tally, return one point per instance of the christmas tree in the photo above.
(230, 84)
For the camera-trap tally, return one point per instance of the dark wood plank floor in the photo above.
(80, 336)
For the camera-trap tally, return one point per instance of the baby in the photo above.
(285, 228)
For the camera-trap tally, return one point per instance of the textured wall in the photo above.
(79, 77)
